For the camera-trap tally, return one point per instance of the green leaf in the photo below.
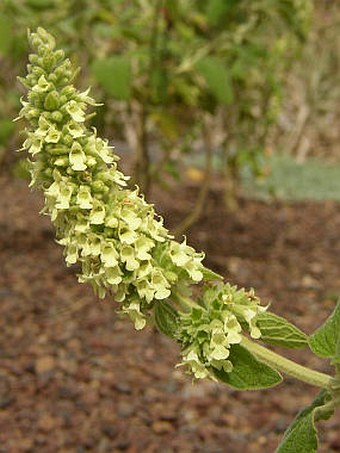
(325, 342)
(301, 435)
(166, 318)
(6, 35)
(216, 10)
(217, 79)
(278, 331)
(302, 438)
(114, 75)
(248, 373)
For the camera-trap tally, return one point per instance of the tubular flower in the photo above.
(110, 230)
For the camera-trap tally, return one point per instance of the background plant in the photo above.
(315, 94)
(173, 70)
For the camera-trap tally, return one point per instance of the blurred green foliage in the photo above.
(167, 65)
(290, 180)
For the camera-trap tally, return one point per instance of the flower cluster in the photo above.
(207, 332)
(110, 230)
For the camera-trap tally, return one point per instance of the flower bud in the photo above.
(52, 101)
(57, 116)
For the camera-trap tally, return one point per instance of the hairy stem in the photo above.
(287, 366)
(186, 303)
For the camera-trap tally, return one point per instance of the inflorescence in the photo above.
(121, 244)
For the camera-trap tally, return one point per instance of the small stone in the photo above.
(334, 441)
(123, 387)
(47, 423)
(316, 267)
(6, 398)
(110, 431)
(25, 445)
(162, 427)
(308, 282)
(5, 402)
(74, 344)
(122, 444)
(44, 364)
(125, 409)
(70, 366)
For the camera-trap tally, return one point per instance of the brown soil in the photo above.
(76, 378)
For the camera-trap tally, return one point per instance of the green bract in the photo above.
(121, 244)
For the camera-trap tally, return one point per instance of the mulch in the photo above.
(74, 377)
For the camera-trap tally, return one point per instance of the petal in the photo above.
(74, 109)
(53, 135)
(84, 198)
(75, 129)
(109, 255)
(128, 237)
(113, 275)
(97, 215)
(77, 158)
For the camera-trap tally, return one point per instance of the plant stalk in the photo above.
(287, 366)
(186, 303)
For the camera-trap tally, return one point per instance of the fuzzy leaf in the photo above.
(325, 342)
(114, 75)
(278, 331)
(217, 79)
(216, 10)
(166, 318)
(301, 435)
(248, 373)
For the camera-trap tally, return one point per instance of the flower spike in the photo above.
(110, 230)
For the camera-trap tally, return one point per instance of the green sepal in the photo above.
(301, 436)
(52, 101)
(166, 318)
(278, 331)
(325, 341)
(248, 372)
(208, 274)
